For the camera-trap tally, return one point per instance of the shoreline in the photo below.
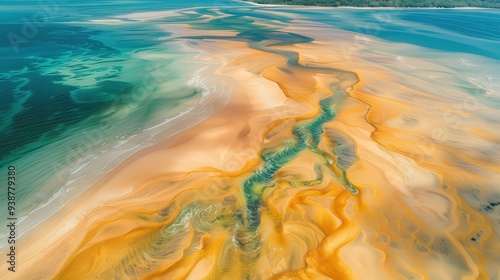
(365, 8)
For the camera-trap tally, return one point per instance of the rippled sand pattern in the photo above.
(353, 173)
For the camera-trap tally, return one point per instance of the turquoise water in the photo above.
(66, 75)
(439, 29)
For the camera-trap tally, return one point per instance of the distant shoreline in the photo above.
(366, 7)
